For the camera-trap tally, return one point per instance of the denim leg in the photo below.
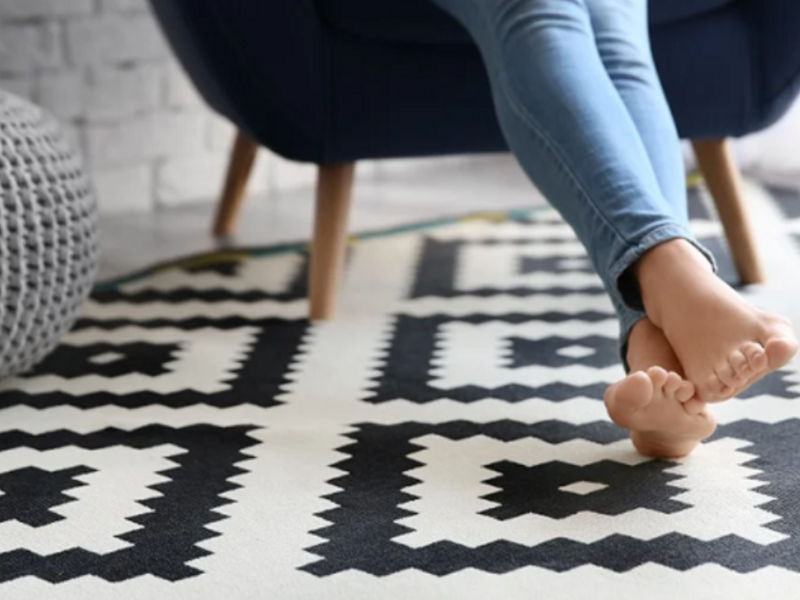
(622, 37)
(568, 126)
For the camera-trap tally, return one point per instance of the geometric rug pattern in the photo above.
(196, 437)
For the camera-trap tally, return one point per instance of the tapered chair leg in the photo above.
(718, 165)
(240, 164)
(334, 191)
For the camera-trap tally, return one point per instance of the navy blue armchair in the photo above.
(335, 81)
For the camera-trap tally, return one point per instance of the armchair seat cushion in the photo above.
(421, 22)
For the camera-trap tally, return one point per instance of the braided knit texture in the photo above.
(48, 234)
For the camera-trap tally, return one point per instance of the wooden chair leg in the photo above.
(241, 161)
(334, 191)
(718, 165)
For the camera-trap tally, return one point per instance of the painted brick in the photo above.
(27, 47)
(37, 9)
(146, 137)
(114, 39)
(103, 68)
(180, 91)
(61, 93)
(117, 93)
(124, 5)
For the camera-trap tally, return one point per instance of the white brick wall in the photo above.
(104, 69)
(111, 38)
(28, 47)
(32, 9)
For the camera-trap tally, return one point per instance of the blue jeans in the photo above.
(580, 104)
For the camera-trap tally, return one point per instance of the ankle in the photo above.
(673, 256)
(641, 336)
(665, 268)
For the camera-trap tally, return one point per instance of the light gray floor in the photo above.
(384, 198)
(387, 195)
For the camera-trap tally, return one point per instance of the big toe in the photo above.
(780, 350)
(630, 394)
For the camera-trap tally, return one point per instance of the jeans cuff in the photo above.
(629, 292)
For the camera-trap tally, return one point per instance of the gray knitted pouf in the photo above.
(48, 234)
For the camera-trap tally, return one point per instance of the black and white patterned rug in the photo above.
(444, 437)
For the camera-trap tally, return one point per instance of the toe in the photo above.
(672, 383)
(627, 396)
(685, 392)
(728, 392)
(726, 374)
(756, 357)
(738, 363)
(779, 351)
(658, 376)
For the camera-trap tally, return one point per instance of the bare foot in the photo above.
(723, 342)
(655, 402)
